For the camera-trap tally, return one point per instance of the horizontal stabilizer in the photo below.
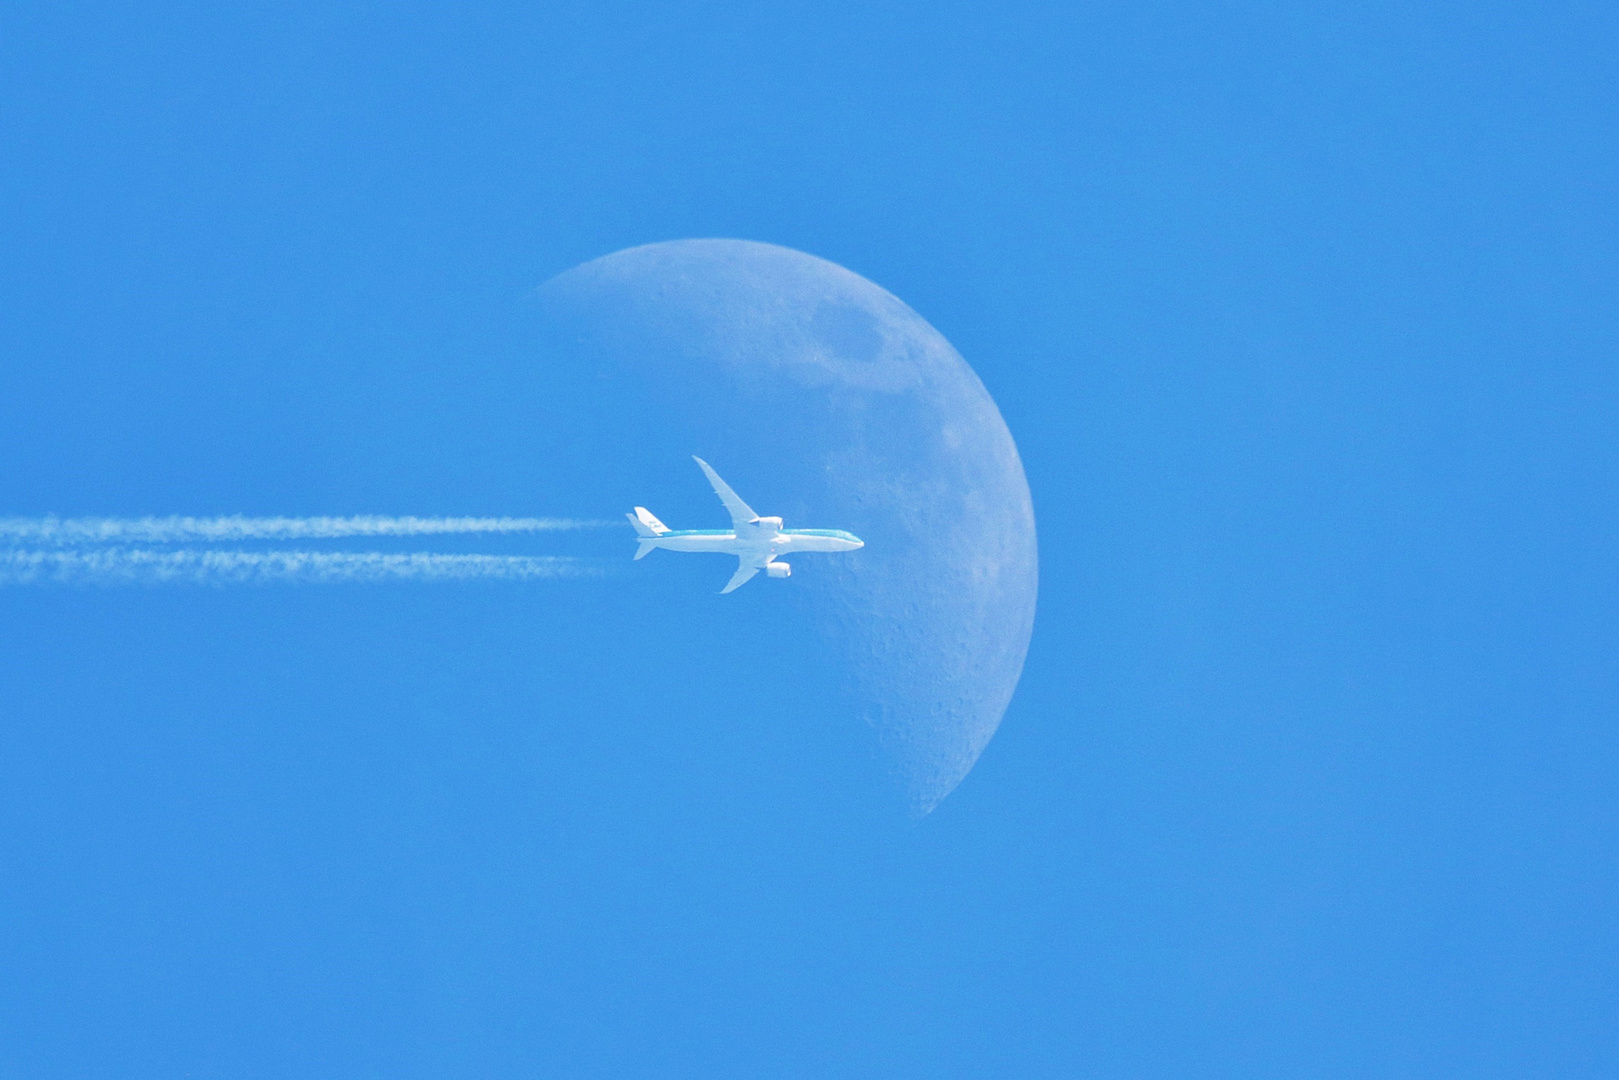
(644, 548)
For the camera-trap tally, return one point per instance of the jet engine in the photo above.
(768, 524)
(778, 569)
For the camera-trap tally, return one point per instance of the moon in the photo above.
(823, 398)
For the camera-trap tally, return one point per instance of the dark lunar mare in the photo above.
(824, 399)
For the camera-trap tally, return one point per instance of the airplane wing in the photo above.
(744, 571)
(741, 513)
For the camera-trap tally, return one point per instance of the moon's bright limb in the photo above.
(857, 410)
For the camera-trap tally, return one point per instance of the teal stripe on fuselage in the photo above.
(838, 533)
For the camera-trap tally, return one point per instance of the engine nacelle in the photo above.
(778, 569)
(768, 524)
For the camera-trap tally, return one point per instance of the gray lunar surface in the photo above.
(825, 399)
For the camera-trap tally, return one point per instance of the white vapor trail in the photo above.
(137, 566)
(82, 532)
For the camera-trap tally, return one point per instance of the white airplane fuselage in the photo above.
(781, 542)
(755, 541)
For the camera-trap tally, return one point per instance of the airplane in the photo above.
(755, 541)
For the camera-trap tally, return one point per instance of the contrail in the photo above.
(137, 566)
(81, 532)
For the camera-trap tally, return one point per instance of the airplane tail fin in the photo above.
(648, 528)
(645, 524)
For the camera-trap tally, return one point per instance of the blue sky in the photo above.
(1302, 317)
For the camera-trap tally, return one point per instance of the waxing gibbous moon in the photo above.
(778, 364)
